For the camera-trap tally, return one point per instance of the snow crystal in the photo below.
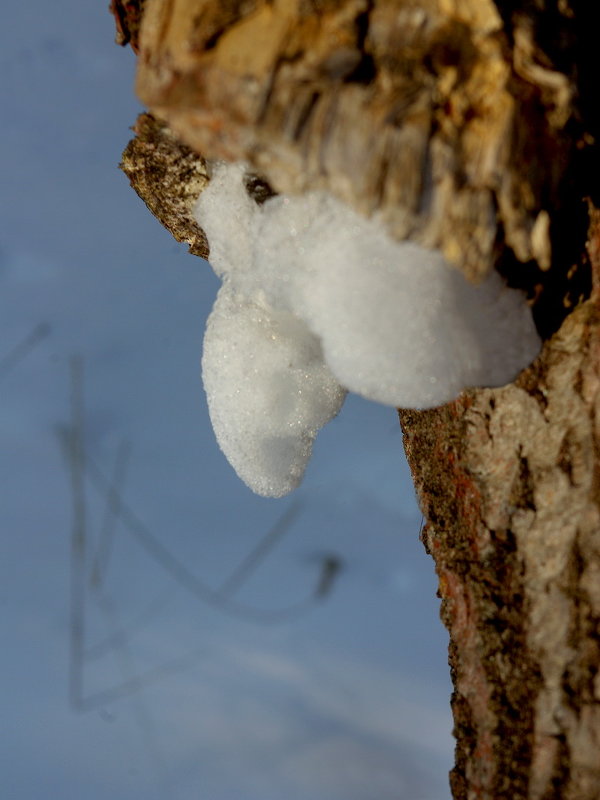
(317, 300)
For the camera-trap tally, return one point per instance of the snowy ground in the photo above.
(342, 698)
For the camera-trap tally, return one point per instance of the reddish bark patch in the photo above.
(480, 584)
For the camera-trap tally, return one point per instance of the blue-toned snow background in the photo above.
(348, 701)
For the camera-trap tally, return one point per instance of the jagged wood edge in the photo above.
(168, 176)
(128, 18)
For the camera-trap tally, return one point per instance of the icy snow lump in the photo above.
(317, 300)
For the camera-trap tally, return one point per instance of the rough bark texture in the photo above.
(509, 485)
(470, 126)
(169, 177)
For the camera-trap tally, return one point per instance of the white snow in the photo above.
(269, 391)
(317, 300)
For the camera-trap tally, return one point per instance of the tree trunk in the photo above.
(470, 127)
(509, 484)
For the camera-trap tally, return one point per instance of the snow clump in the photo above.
(317, 300)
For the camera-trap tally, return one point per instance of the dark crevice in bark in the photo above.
(305, 113)
(210, 27)
(553, 26)
(563, 40)
(554, 293)
(365, 70)
(523, 490)
(258, 188)
(560, 777)
(564, 460)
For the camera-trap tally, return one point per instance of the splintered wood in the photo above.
(419, 111)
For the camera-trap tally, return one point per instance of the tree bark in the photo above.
(470, 127)
(509, 484)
